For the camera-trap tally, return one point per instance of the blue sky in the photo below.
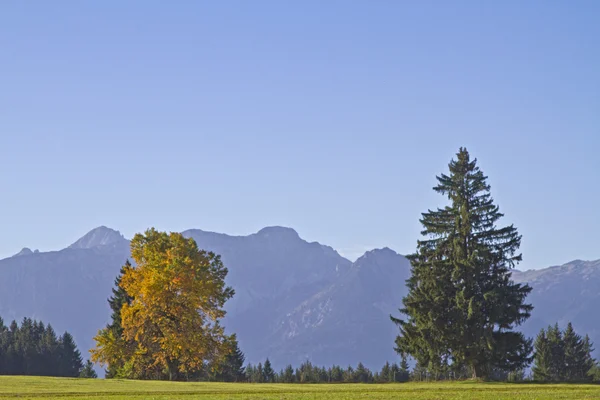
(330, 117)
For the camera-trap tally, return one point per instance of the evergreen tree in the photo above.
(116, 302)
(287, 375)
(268, 373)
(404, 372)
(49, 350)
(585, 362)
(349, 374)
(118, 299)
(336, 374)
(250, 373)
(462, 306)
(386, 373)
(543, 358)
(233, 369)
(88, 371)
(69, 358)
(557, 353)
(3, 346)
(573, 346)
(259, 375)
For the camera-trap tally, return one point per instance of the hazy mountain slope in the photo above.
(570, 292)
(348, 321)
(66, 288)
(272, 271)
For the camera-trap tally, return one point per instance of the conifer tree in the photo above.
(288, 375)
(462, 306)
(585, 362)
(118, 348)
(49, 349)
(386, 373)
(268, 373)
(250, 373)
(233, 369)
(404, 371)
(573, 346)
(543, 358)
(336, 374)
(362, 374)
(557, 353)
(118, 299)
(259, 375)
(70, 362)
(3, 346)
(88, 371)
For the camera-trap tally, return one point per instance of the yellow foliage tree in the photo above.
(178, 294)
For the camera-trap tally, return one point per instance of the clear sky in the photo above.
(331, 117)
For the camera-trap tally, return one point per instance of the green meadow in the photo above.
(19, 387)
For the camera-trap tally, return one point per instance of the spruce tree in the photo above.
(3, 346)
(362, 374)
(268, 373)
(287, 375)
(233, 369)
(49, 350)
(336, 374)
(573, 346)
(70, 362)
(250, 373)
(462, 306)
(259, 375)
(404, 372)
(586, 363)
(88, 371)
(118, 299)
(116, 302)
(542, 358)
(386, 373)
(557, 353)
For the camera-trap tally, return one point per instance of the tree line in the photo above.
(309, 373)
(563, 356)
(35, 349)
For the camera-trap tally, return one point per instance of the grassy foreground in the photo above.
(19, 387)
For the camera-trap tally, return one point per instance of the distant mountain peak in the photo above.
(385, 252)
(25, 251)
(384, 256)
(280, 231)
(100, 236)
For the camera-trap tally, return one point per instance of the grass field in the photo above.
(60, 388)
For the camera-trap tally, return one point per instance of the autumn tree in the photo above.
(177, 293)
(462, 306)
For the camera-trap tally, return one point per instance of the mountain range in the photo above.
(295, 300)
